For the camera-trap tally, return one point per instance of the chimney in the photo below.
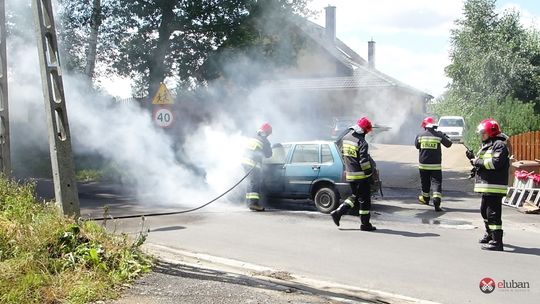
(371, 53)
(330, 29)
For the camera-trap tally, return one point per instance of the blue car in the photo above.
(307, 170)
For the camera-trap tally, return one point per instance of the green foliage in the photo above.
(88, 175)
(266, 40)
(151, 40)
(513, 116)
(493, 57)
(48, 258)
(495, 71)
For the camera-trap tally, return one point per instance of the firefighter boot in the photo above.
(437, 204)
(254, 206)
(486, 238)
(496, 244)
(424, 200)
(366, 225)
(339, 212)
(487, 235)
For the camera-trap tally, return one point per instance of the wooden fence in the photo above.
(526, 146)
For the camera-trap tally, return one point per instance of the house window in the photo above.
(306, 154)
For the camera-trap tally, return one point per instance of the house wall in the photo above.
(315, 61)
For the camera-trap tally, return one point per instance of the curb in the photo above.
(317, 287)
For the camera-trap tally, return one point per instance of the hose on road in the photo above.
(173, 212)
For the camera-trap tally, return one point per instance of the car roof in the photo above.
(308, 142)
(451, 117)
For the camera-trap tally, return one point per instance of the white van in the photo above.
(453, 126)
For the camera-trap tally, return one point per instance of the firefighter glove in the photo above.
(476, 162)
(469, 154)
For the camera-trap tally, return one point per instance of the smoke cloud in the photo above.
(201, 156)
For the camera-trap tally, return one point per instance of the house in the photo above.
(337, 82)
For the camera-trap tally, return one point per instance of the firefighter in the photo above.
(257, 148)
(358, 171)
(429, 145)
(491, 163)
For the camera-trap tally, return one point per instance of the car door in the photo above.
(302, 169)
(329, 169)
(274, 170)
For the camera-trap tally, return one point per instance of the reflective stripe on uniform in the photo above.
(425, 194)
(364, 212)
(352, 176)
(250, 162)
(349, 202)
(490, 188)
(254, 143)
(488, 163)
(429, 138)
(365, 165)
(437, 194)
(430, 166)
(495, 227)
(252, 195)
(350, 148)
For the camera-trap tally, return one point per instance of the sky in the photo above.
(412, 37)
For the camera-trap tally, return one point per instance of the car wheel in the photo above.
(326, 199)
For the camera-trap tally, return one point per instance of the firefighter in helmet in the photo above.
(257, 148)
(491, 163)
(358, 171)
(429, 145)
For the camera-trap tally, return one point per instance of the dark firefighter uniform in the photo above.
(257, 148)
(358, 171)
(492, 163)
(429, 144)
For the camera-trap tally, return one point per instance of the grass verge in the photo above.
(46, 257)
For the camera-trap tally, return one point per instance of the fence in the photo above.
(526, 146)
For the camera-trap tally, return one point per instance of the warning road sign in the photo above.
(163, 96)
(163, 117)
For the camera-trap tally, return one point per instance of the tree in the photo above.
(165, 38)
(86, 29)
(267, 40)
(495, 71)
(492, 56)
(151, 40)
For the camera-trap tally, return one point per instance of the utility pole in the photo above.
(5, 154)
(63, 169)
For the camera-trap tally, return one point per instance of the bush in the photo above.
(48, 258)
(514, 117)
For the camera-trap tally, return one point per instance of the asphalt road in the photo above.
(415, 253)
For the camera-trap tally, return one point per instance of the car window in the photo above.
(306, 153)
(326, 154)
(279, 154)
(451, 123)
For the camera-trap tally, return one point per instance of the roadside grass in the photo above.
(46, 257)
(88, 175)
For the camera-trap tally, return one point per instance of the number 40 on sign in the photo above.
(163, 117)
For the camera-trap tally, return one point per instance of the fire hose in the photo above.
(173, 212)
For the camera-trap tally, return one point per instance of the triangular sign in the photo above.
(163, 96)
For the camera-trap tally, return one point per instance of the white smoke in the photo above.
(160, 167)
(122, 134)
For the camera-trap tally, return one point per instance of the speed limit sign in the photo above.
(163, 117)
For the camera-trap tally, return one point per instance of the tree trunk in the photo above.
(95, 23)
(158, 67)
